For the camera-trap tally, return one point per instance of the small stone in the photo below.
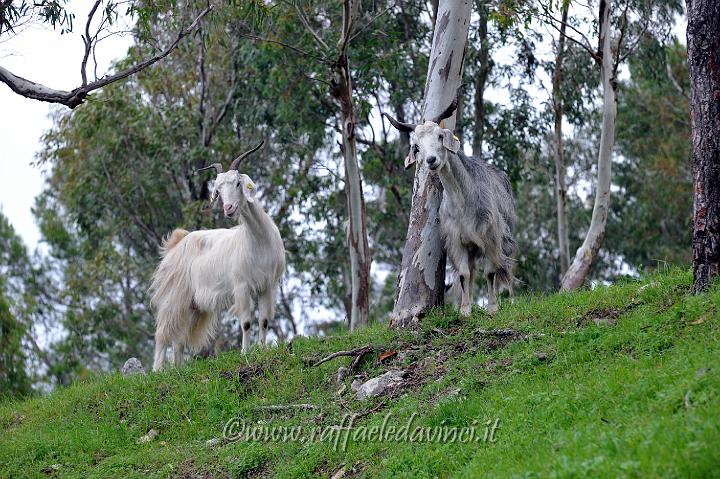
(379, 385)
(152, 434)
(51, 469)
(355, 385)
(132, 366)
(339, 474)
(541, 356)
(210, 443)
(341, 390)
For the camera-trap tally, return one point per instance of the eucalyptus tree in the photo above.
(632, 20)
(421, 281)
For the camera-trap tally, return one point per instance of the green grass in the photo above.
(636, 397)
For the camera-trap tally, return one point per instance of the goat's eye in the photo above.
(441, 137)
(238, 185)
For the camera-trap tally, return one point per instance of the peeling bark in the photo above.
(421, 281)
(703, 40)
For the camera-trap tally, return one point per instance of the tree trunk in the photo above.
(703, 40)
(558, 150)
(578, 271)
(421, 281)
(481, 79)
(341, 90)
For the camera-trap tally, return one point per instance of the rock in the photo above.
(339, 474)
(210, 443)
(355, 385)
(132, 366)
(342, 373)
(541, 356)
(51, 469)
(152, 434)
(379, 385)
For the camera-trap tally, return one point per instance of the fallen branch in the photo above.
(370, 411)
(358, 353)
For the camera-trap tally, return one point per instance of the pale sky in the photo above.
(44, 56)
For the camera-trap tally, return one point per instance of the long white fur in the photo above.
(205, 273)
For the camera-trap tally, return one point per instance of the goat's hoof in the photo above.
(465, 310)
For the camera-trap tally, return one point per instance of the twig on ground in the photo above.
(286, 407)
(358, 353)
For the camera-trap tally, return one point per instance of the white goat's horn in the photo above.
(218, 168)
(236, 161)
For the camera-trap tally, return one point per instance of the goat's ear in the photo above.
(214, 193)
(409, 159)
(450, 141)
(248, 188)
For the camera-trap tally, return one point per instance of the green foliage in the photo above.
(16, 280)
(651, 220)
(634, 395)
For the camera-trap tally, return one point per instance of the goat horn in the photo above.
(218, 168)
(406, 127)
(236, 161)
(448, 111)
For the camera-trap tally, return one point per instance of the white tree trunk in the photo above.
(578, 271)
(559, 152)
(357, 242)
(421, 282)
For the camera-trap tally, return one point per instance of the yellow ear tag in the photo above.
(250, 186)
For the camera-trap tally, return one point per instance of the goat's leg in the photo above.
(266, 310)
(160, 350)
(178, 353)
(461, 261)
(492, 293)
(243, 310)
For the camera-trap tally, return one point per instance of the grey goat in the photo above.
(477, 213)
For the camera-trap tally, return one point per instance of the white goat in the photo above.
(204, 273)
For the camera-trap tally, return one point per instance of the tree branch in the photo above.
(71, 99)
(306, 22)
(88, 42)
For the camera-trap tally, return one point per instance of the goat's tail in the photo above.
(172, 240)
(172, 295)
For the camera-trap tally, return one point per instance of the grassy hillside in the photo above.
(621, 381)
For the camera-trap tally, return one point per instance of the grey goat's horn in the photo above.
(406, 127)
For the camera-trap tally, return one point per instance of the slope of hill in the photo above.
(620, 381)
